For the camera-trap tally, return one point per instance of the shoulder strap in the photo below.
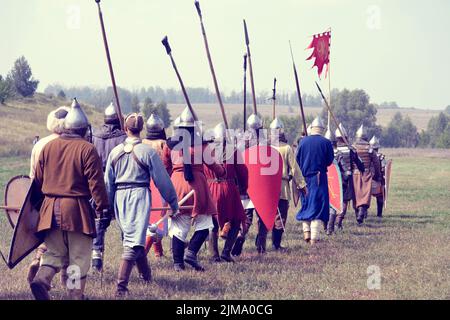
(135, 158)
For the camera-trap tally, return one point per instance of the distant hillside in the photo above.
(23, 119)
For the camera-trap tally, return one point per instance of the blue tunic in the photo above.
(132, 206)
(314, 155)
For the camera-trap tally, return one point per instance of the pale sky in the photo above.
(396, 50)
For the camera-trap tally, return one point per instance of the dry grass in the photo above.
(410, 245)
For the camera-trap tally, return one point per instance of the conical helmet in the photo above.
(330, 135)
(277, 124)
(176, 122)
(318, 123)
(254, 122)
(220, 132)
(338, 132)
(361, 133)
(308, 130)
(187, 119)
(111, 115)
(375, 142)
(155, 123)
(76, 118)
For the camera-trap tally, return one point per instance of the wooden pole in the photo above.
(247, 42)
(299, 94)
(211, 66)
(245, 92)
(111, 71)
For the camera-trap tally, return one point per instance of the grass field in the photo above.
(410, 246)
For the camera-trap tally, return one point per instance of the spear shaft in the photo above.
(166, 44)
(247, 42)
(111, 71)
(299, 94)
(211, 66)
(245, 92)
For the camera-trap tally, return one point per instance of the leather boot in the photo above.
(380, 204)
(158, 249)
(360, 215)
(261, 238)
(231, 239)
(195, 244)
(339, 220)
(213, 246)
(276, 238)
(126, 266)
(42, 282)
(145, 272)
(97, 260)
(148, 244)
(78, 294)
(32, 270)
(238, 245)
(178, 247)
(330, 226)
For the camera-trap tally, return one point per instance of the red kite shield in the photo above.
(158, 202)
(387, 174)
(335, 190)
(15, 193)
(265, 166)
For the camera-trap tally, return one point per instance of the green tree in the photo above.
(61, 95)
(135, 103)
(22, 78)
(401, 132)
(447, 110)
(353, 108)
(148, 107)
(6, 89)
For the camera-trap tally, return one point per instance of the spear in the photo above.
(166, 44)
(274, 97)
(247, 43)
(332, 115)
(245, 92)
(211, 66)
(297, 83)
(111, 71)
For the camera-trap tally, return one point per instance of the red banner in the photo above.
(335, 190)
(265, 169)
(321, 51)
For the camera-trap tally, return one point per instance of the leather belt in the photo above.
(130, 185)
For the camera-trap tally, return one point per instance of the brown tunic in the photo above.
(363, 181)
(69, 172)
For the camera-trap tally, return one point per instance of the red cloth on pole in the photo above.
(321, 51)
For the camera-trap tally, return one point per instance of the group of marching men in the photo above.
(112, 175)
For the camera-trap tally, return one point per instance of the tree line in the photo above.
(18, 82)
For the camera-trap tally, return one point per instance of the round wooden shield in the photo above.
(15, 194)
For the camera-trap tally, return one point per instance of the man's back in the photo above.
(67, 162)
(106, 139)
(314, 155)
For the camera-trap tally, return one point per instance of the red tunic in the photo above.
(225, 191)
(201, 200)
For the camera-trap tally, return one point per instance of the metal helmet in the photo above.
(220, 132)
(55, 119)
(110, 115)
(375, 142)
(330, 135)
(318, 123)
(277, 124)
(176, 122)
(76, 118)
(254, 122)
(187, 119)
(338, 132)
(361, 133)
(155, 123)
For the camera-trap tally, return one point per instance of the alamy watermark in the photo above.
(374, 277)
